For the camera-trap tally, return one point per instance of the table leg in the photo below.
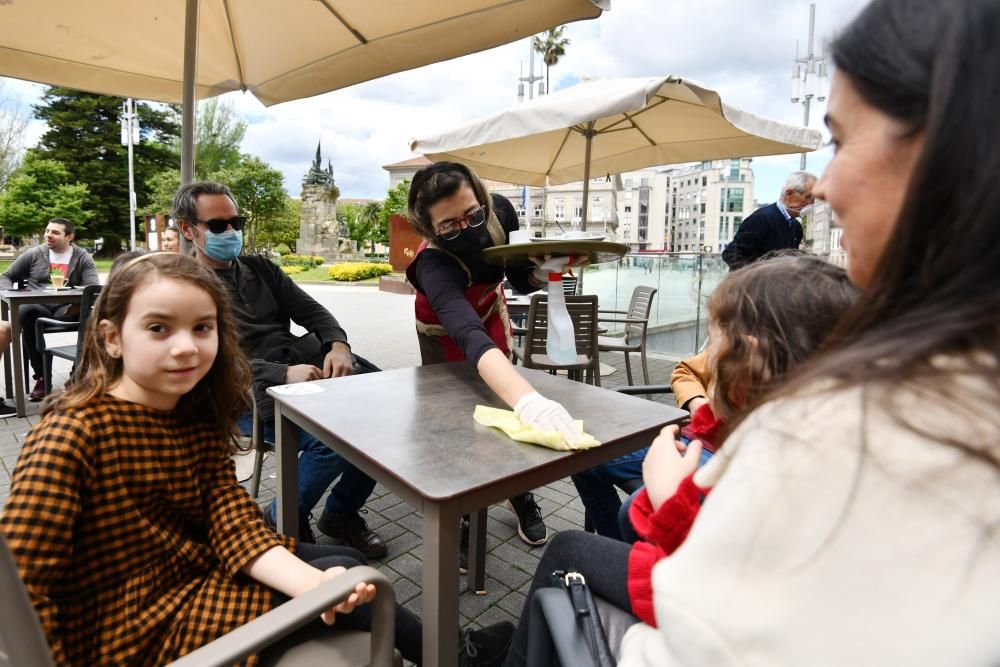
(9, 387)
(15, 354)
(477, 552)
(440, 585)
(286, 450)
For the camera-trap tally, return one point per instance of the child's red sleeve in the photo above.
(664, 531)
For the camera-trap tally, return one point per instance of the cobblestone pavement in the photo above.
(380, 327)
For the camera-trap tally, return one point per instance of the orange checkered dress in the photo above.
(130, 530)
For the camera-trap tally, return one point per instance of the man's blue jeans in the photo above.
(319, 466)
(599, 495)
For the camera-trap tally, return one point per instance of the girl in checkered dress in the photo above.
(134, 538)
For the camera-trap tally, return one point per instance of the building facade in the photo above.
(707, 203)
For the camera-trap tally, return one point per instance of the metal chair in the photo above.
(45, 325)
(23, 643)
(636, 321)
(583, 311)
(260, 446)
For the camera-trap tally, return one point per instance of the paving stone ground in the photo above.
(380, 327)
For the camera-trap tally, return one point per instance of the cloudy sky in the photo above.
(742, 48)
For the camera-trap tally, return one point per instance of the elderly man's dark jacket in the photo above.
(265, 303)
(766, 229)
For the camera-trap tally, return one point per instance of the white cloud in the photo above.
(742, 49)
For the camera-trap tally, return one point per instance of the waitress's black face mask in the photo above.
(470, 243)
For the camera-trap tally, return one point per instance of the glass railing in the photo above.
(678, 321)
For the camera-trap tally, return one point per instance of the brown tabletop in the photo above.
(412, 430)
(11, 301)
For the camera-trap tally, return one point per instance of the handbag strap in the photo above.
(587, 618)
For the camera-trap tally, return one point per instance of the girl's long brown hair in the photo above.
(218, 399)
(772, 315)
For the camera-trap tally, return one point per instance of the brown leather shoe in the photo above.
(38, 391)
(352, 530)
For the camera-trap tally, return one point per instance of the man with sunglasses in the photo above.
(265, 302)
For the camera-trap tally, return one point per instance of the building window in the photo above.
(704, 181)
(538, 211)
(734, 169)
(628, 209)
(703, 208)
(734, 200)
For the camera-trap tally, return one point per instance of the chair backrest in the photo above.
(639, 308)
(87, 303)
(582, 310)
(22, 641)
(569, 284)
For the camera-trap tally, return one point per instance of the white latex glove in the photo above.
(554, 265)
(535, 410)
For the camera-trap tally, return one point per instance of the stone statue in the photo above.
(319, 232)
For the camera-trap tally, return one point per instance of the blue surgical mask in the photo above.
(224, 247)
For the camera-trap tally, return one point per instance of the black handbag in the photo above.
(586, 616)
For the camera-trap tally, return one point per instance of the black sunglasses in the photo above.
(218, 226)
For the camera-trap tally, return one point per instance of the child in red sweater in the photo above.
(764, 321)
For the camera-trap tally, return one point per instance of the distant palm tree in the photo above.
(371, 216)
(552, 48)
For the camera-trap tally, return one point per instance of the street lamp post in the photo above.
(531, 78)
(808, 76)
(130, 137)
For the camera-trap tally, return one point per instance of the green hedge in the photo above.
(305, 261)
(352, 271)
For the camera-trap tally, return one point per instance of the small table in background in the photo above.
(10, 303)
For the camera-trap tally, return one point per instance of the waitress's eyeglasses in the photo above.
(450, 229)
(219, 226)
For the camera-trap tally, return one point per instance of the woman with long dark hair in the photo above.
(853, 514)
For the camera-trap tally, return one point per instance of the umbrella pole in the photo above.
(188, 101)
(589, 134)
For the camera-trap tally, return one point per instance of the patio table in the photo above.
(412, 431)
(11, 302)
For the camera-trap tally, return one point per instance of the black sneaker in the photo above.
(530, 526)
(7, 410)
(305, 530)
(486, 647)
(463, 548)
(352, 530)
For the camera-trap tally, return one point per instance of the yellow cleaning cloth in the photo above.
(507, 421)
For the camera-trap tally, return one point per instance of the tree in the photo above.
(13, 121)
(84, 135)
(217, 138)
(371, 215)
(38, 191)
(358, 228)
(394, 204)
(260, 192)
(552, 48)
(283, 228)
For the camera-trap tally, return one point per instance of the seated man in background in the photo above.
(35, 267)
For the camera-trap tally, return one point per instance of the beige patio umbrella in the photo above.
(609, 126)
(280, 50)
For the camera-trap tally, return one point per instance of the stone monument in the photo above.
(319, 233)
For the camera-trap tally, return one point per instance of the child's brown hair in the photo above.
(218, 399)
(772, 314)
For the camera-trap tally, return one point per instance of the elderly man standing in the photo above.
(265, 302)
(772, 227)
(36, 267)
